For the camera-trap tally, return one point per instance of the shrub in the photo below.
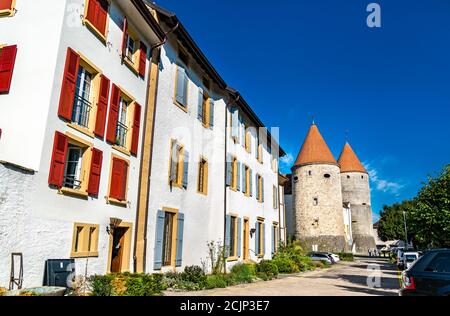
(194, 274)
(304, 263)
(126, 284)
(28, 293)
(269, 268)
(285, 265)
(263, 276)
(346, 256)
(2, 291)
(216, 281)
(243, 273)
(319, 264)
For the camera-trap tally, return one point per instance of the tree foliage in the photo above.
(427, 215)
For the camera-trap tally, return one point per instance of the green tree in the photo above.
(391, 224)
(429, 215)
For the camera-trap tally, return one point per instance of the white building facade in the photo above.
(78, 89)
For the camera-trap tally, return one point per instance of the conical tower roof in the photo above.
(349, 162)
(314, 150)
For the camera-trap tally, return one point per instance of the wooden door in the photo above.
(118, 248)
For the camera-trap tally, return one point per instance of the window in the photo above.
(233, 236)
(260, 154)
(316, 201)
(203, 176)
(82, 102)
(181, 81)
(179, 159)
(7, 7)
(440, 263)
(248, 141)
(260, 188)
(123, 122)
(96, 17)
(275, 241)
(260, 238)
(75, 166)
(134, 52)
(118, 181)
(169, 238)
(275, 197)
(234, 174)
(205, 109)
(85, 240)
(7, 62)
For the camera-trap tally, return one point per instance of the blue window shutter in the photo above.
(227, 235)
(273, 239)
(264, 239)
(244, 180)
(179, 250)
(181, 93)
(160, 216)
(200, 105)
(185, 169)
(257, 238)
(211, 113)
(239, 246)
(262, 189)
(229, 170)
(251, 182)
(257, 187)
(234, 123)
(173, 162)
(238, 186)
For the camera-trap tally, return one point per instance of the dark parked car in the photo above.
(429, 275)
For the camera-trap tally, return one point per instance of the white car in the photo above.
(334, 256)
(409, 258)
(320, 257)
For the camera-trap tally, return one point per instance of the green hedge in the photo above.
(346, 256)
(267, 270)
(126, 284)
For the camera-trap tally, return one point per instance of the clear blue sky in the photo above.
(390, 87)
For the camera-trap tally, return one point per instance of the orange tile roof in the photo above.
(349, 162)
(314, 150)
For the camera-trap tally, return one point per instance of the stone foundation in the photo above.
(324, 243)
(364, 243)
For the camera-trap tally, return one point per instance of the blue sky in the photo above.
(294, 59)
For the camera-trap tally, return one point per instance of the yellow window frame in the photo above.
(234, 234)
(204, 188)
(133, 65)
(206, 110)
(109, 199)
(86, 233)
(260, 222)
(259, 179)
(248, 141)
(9, 12)
(260, 155)
(92, 28)
(234, 171)
(247, 180)
(180, 163)
(173, 250)
(129, 122)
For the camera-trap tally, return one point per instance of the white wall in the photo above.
(44, 228)
(23, 112)
(204, 215)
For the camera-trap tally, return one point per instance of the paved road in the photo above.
(343, 279)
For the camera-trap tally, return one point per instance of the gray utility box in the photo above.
(58, 272)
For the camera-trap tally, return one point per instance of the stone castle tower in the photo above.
(317, 196)
(356, 191)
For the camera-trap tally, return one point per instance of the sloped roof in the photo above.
(349, 162)
(314, 150)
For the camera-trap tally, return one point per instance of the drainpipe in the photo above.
(225, 173)
(165, 37)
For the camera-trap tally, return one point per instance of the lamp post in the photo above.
(406, 231)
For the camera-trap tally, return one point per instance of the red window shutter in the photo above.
(7, 61)
(113, 115)
(102, 107)
(97, 14)
(92, 10)
(124, 37)
(142, 60)
(56, 174)
(6, 5)
(95, 172)
(118, 179)
(136, 128)
(69, 85)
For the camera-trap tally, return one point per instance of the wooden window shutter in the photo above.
(6, 5)
(7, 61)
(262, 189)
(95, 172)
(273, 239)
(211, 113)
(117, 190)
(244, 180)
(179, 241)
(185, 169)
(227, 235)
(56, 174)
(113, 115)
(97, 14)
(157, 260)
(200, 105)
(251, 182)
(181, 91)
(173, 161)
(69, 85)
(142, 59)
(123, 182)
(102, 107)
(257, 250)
(136, 129)
(229, 170)
(124, 37)
(263, 239)
(238, 176)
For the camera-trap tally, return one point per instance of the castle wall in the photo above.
(317, 201)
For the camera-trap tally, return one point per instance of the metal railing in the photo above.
(121, 134)
(81, 110)
(71, 183)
